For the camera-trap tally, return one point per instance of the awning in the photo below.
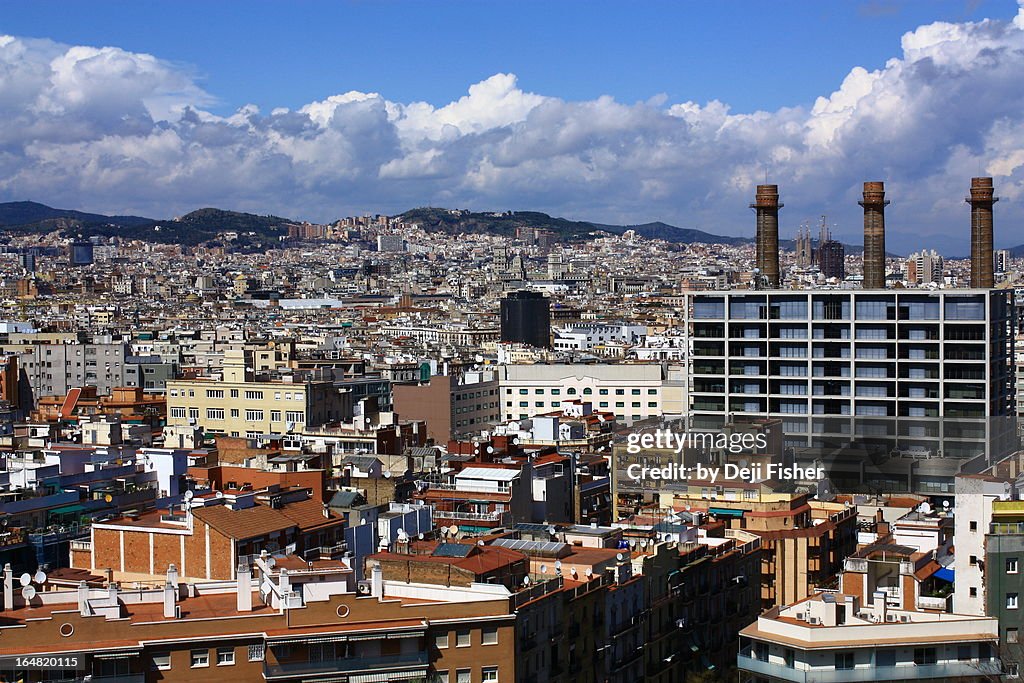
(68, 509)
(945, 574)
(726, 512)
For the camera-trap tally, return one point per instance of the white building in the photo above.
(840, 637)
(975, 494)
(633, 391)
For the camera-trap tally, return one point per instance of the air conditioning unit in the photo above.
(800, 616)
(904, 618)
(364, 588)
(814, 620)
(891, 618)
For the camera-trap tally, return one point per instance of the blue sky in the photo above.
(622, 112)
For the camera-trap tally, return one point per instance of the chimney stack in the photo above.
(874, 204)
(766, 204)
(981, 201)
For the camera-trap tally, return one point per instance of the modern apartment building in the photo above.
(922, 373)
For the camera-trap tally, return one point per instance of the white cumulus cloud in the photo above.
(104, 129)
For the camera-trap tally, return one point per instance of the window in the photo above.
(462, 638)
(254, 395)
(602, 392)
(441, 641)
(178, 412)
(963, 653)
(275, 415)
(214, 413)
(463, 676)
(1011, 601)
(1012, 635)
(256, 652)
(844, 660)
(924, 656)
(789, 656)
(162, 661)
(200, 658)
(489, 674)
(225, 656)
(234, 393)
(974, 591)
(254, 416)
(214, 393)
(524, 392)
(885, 658)
(974, 526)
(234, 412)
(295, 415)
(1011, 565)
(193, 413)
(1012, 670)
(442, 677)
(489, 636)
(974, 560)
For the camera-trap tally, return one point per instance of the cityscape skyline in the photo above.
(131, 130)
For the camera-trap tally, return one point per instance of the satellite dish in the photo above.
(387, 474)
(552, 529)
(40, 577)
(25, 579)
(632, 543)
(526, 580)
(480, 543)
(543, 569)
(362, 521)
(558, 564)
(220, 494)
(589, 571)
(619, 557)
(28, 592)
(945, 504)
(189, 495)
(108, 498)
(420, 536)
(453, 529)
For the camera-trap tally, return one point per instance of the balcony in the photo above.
(470, 516)
(905, 672)
(413, 663)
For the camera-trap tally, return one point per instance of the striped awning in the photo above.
(114, 655)
(386, 676)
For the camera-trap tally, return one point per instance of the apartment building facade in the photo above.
(923, 373)
(237, 404)
(451, 405)
(633, 391)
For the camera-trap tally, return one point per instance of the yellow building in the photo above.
(239, 404)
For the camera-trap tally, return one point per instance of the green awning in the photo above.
(726, 512)
(68, 509)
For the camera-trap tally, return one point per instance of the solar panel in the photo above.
(535, 548)
(452, 550)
